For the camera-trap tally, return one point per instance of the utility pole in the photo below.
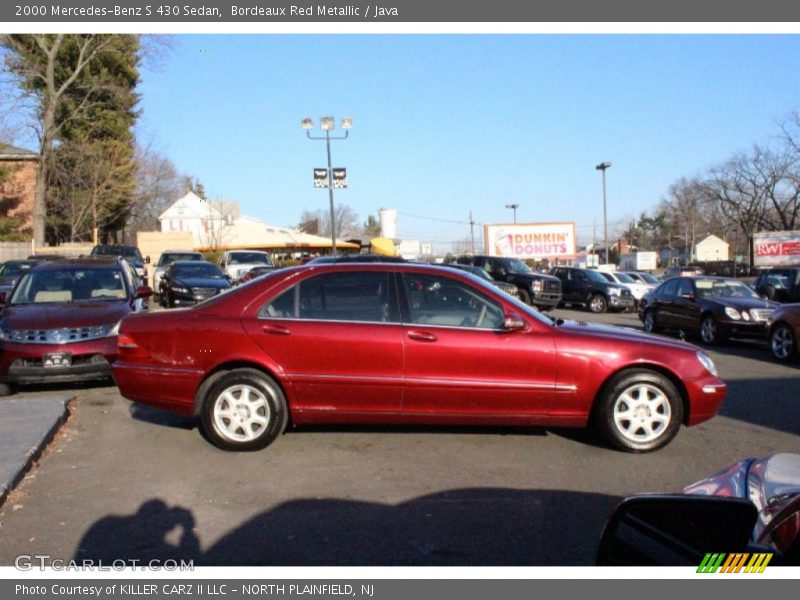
(471, 233)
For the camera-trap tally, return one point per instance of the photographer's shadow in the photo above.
(154, 534)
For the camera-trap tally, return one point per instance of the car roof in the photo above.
(83, 261)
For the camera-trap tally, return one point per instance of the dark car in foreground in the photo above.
(715, 308)
(60, 323)
(405, 344)
(187, 282)
(536, 289)
(781, 284)
(742, 519)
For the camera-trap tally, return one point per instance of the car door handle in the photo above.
(273, 329)
(422, 336)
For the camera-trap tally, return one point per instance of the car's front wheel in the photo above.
(650, 325)
(6, 389)
(782, 343)
(244, 410)
(598, 303)
(639, 411)
(525, 296)
(709, 330)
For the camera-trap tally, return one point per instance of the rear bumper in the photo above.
(169, 389)
(621, 303)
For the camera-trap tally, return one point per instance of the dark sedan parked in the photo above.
(716, 308)
(405, 343)
(188, 282)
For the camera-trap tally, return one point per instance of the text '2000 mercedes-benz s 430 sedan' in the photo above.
(405, 343)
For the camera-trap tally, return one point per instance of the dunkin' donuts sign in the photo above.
(531, 240)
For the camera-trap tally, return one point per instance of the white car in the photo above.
(637, 288)
(235, 263)
(165, 260)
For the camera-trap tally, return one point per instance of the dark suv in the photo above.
(536, 289)
(781, 284)
(588, 288)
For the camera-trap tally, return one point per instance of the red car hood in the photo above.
(58, 315)
(625, 334)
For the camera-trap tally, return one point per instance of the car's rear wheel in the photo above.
(650, 324)
(640, 411)
(782, 343)
(598, 303)
(244, 410)
(709, 330)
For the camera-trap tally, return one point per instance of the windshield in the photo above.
(169, 258)
(240, 258)
(70, 284)
(515, 265)
(196, 271)
(624, 278)
(13, 269)
(595, 276)
(649, 278)
(723, 288)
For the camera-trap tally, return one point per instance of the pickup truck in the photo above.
(537, 289)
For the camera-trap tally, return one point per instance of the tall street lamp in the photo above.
(602, 167)
(327, 124)
(513, 207)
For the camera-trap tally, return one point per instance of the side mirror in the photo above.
(513, 322)
(675, 530)
(143, 291)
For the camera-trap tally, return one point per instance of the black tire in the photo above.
(598, 304)
(6, 389)
(525, 296)
(653, 403)
(244, 410)
(783, 343)
(650, 321)
(709, 330)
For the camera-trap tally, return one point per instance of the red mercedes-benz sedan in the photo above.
(405, 343)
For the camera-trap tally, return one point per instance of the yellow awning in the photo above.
(383, 246)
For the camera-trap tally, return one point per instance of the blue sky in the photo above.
(445, 124)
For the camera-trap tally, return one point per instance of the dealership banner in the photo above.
(553, 241)
(776, 248)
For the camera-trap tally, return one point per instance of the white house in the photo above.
(712, 248)
(192, 213)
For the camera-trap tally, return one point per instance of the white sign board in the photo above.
(531, 240)
(776, 248)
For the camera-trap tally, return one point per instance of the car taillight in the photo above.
(126, 341)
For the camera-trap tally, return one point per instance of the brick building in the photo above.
(18, 190)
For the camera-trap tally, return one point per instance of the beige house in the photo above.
(711, 249)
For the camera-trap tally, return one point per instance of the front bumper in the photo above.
(706, 395)
(545, 299)
(621, 302)
(90, 360)
(750, 330)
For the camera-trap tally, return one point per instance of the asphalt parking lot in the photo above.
(122, 481)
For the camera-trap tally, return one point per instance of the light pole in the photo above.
(513, 207)
(327, 124)
(602, 167)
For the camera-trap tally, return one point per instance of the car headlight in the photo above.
(537, 286)
(732, 313)
(707, 363)
(178, 289)
(614, 291)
